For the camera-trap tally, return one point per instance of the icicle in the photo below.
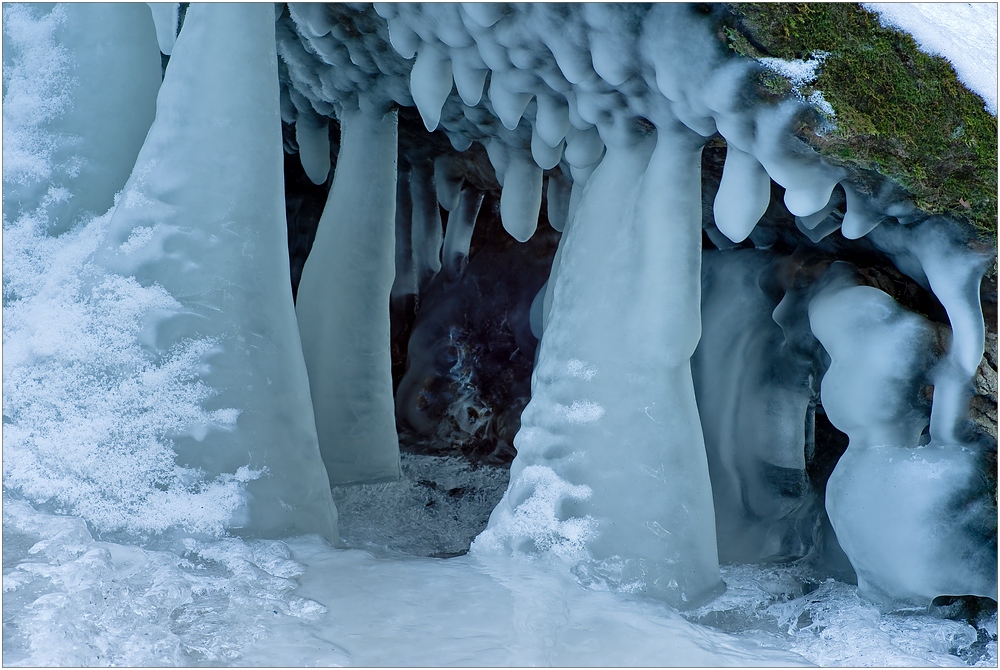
(469, 81)
(807, 179)
(427, 228)
(861, 217)
(744, 194)
(430, 84)
(403, 39)
(551, 119)
(166, 17)
(343, 303)
(521, 198)
(831, 223)
(545, 157)
(447, 181)
(312, 134)
(612, 39)
(203, 216)
(613, 378)
(458, 237)
(584, 148)
(499, 157)
(484, 14)
(459, 142)
(509, 106)
(404, 283)
(557, 196)
(937, 253)
(573, 62)
(813, 220)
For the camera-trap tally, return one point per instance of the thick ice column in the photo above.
(343, 305)
(612, 431)
(80, 86)
(203, 216)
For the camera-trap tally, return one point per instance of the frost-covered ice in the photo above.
(963, 32)
(71, 599)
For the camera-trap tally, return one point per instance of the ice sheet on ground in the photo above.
(72, 600)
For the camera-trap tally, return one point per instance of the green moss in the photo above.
(899, 111)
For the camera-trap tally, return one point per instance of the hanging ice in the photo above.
(343, 305)
(203, 216)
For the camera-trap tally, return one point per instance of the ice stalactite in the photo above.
(404, 283)
(203, 216)
(343, 303)
(312, 134)
(612, 406)
(458, 237)
(166, 18)
(427, 231)
(938, 255)
(98, 71)
(914, 520)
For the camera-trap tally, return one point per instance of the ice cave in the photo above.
(499, 334)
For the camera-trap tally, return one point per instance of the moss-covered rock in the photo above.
(899, 111)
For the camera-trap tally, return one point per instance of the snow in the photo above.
(963, 32)
(72, 599)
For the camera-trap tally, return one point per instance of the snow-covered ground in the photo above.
(963, 32)
(71, 600)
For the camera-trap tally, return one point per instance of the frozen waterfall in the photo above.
(602, 355)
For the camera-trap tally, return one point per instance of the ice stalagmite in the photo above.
(612, 417)
(203, 216)
(343, 305)
(97, 80)
(914, 520)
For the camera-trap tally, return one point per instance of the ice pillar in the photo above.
(613, 406)
(343, 305)
(203, 216)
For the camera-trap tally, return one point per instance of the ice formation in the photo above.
(198, 220)
(906, 514)
(345, 332)
(674, 392)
